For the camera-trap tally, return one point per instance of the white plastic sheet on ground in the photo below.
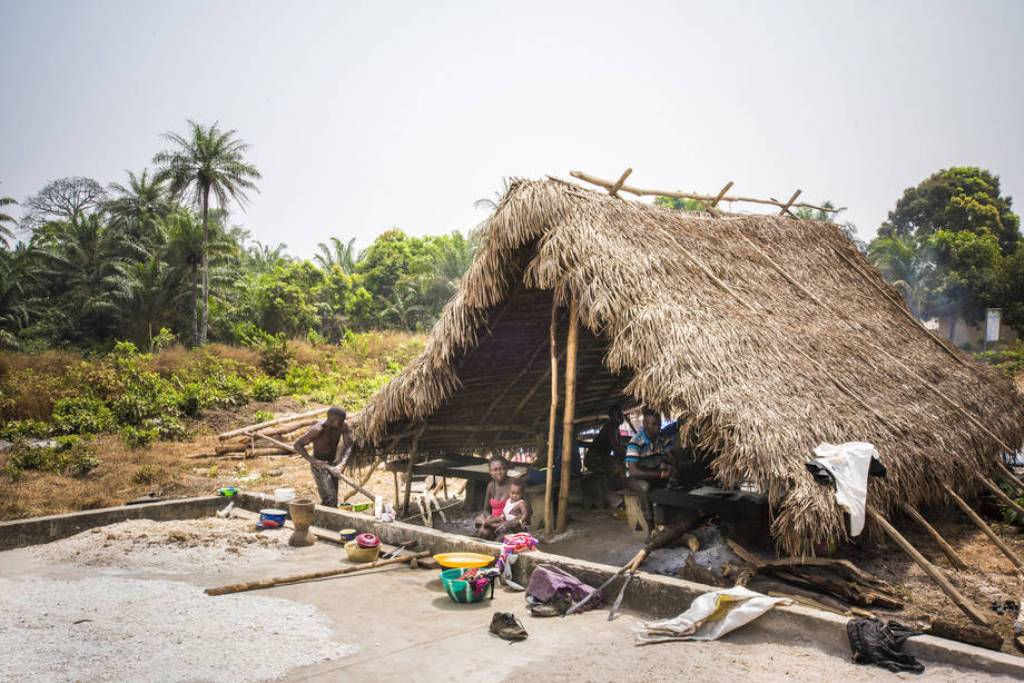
(849, 463)
(710, 616)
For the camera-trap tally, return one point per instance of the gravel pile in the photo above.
(175, 547)
(110, 628)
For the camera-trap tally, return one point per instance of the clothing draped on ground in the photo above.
(710, 616)
(849, 464)
(547, 581)
(873, 642)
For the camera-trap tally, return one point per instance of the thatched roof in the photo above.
(770, 334)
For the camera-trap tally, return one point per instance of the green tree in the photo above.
(207, 161)
(138, 207)
(968, 266)
(679, 204)
(402, 308)
(964, 198)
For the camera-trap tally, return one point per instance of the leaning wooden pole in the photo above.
(1001, 495)
(408, 471)
(951, 554)
(568, 414)
(931, 570)
(1009, 475)
(986, 529)
(549, 513)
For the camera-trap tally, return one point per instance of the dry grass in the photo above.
(770, 335)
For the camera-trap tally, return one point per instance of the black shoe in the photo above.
(506, 626)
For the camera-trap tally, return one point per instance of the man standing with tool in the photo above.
(328, 460)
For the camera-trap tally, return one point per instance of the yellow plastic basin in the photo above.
(463, 560)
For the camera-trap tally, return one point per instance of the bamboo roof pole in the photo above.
(614, 189)
(951, 554)
(1010, 476)
(981, 524)
(549, 513)
(569, 412)
(785, 207)
(931, 570)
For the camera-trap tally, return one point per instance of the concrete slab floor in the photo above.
(406, 629)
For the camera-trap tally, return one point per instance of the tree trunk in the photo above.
(194, 300)
(205, 266)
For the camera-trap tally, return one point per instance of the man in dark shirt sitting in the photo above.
(606, 452)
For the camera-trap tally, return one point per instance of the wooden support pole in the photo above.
(785, 207)
(1001, 495)
(614, 189)
(947, 549)
(1010, 476)
(569, 412)
(981, 524)
(931, 570)
(549, 513)
(408, 470)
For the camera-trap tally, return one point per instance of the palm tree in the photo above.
(208, 161)
(263, 258)
(906, 263)
(402, 308)
(338, 253)
(16, 303)
(5, 232)
(137, 207)
(90, 267)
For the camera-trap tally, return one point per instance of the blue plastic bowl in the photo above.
(273, 515)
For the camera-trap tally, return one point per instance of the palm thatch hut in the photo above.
(771, 335)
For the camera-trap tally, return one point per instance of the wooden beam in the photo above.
(721, 193)
(785, 207)
(986, 529)
(951, 554)
(1009, 475)
(1001, 495)
(931, 570)
(640, 192)
(569, 412)
(614, 189)
(549, 524)
(408, 470)
(270, 423)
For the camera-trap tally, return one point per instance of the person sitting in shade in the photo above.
(650, 457)
(606, 453)
(327, 460)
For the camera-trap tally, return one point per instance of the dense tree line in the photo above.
(157, 258)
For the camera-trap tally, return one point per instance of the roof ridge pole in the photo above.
(614, 189)
(931, 570)
(568, 429)
(785, 209)
(980, 523)
(549, 513)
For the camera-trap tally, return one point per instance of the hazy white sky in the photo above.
(363, 116)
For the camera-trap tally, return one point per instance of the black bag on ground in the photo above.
(873, 642)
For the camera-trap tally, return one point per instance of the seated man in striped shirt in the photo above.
(650, 457)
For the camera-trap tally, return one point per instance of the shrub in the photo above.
(146, 474)
(24, 429)
(139, 437)
(266, 389)
(81, 415)
(163, 339)
(68, 455)
(275, 356)
(263, 416)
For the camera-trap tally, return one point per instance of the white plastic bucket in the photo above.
(283, 495)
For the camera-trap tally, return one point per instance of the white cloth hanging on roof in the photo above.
(848, 463)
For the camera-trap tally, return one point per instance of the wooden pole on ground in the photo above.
(951, 554)
(296, 578)
(980, 523)
(549, 513)
(1001, 495)
(569, 412)
(270, 423)
(931, 570)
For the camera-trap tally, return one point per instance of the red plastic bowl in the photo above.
(367, 541)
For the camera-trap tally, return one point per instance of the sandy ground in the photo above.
(389, 625)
